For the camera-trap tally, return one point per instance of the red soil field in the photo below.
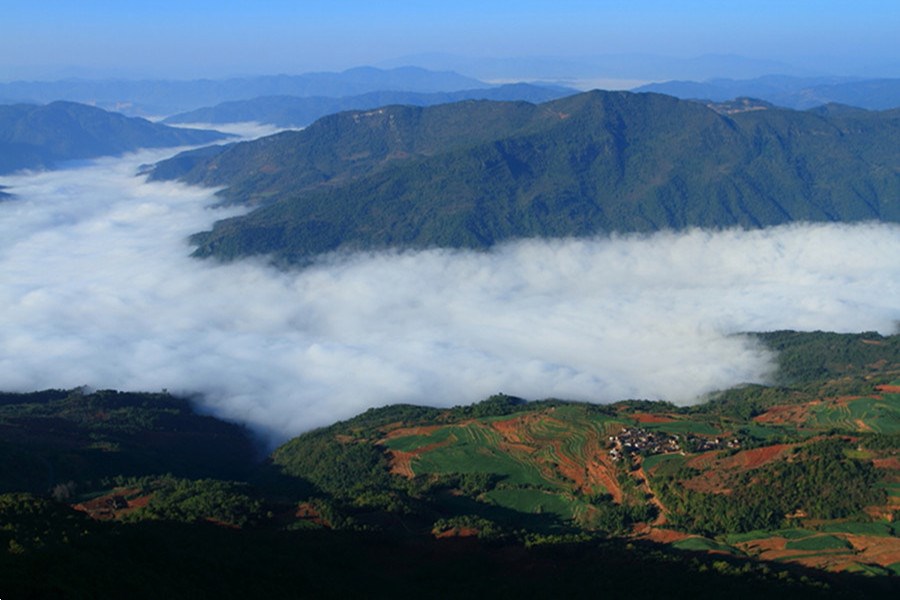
(880, 550)
(703, 461)
(590, 470)
(113, 505)
(891, 463)
(791, 413)
(602, 471)
(400, 463)
(744, 460)
(458, 532)
(755, 458)
(408, 431)
(715, 478)
(650, 418)
(888, 389)
(665, 536)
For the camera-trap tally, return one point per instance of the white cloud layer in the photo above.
(97, 288)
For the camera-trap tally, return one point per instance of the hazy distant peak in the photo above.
(788, 91)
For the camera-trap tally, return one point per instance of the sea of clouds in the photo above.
(97, 288)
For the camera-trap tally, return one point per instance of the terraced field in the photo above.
(555, 461)
(879, 414)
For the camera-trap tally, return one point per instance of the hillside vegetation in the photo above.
(44, 137)
(472, 174)
(799, 493)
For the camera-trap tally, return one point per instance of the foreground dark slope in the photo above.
(42, 137)
(475, 173)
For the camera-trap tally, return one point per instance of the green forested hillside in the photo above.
(475, 173)
(72, 439)
(42, 137)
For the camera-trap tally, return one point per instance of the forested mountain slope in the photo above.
(42, 137)
(472, 174)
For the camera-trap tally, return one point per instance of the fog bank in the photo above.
(97, 289)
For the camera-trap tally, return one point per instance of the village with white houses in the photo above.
(637, 440)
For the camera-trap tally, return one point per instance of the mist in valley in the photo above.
(97, 288)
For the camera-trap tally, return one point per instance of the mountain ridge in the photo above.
(297, 111)
(44, 136)
(472, 174)
(799, 93)
(165, 97)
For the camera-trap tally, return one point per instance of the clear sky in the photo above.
(190, 38)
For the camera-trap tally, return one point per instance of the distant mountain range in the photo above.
(42, 137)
(162, 97)
(294, 111)
(790, 92)
(621, 66)
(475, 173)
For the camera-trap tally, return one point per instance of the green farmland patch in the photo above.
(859, 528)
(533, 501)
(881, 415)
(663, 464)
(871, 570)
(892, 489)
(762, 534)
(703, 544)
(771, 433)
(819, 542)
(412, 443)
(476, 451)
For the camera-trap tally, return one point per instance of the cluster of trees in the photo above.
(812, 365)
(190, 501)
(819, 482)
(54, 437)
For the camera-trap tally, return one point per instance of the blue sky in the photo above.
(189, 38)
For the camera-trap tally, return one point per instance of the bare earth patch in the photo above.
(458, 532)
(651, 418)
(400, 461)
(891, 463)
(114, 505)
(795, 414)
(718, 469)
(755, 458)
(664, 536)
(410, 431)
